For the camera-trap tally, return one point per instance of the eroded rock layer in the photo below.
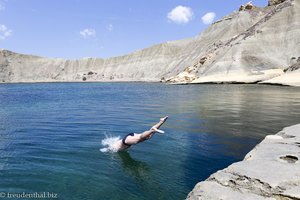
(248, 46)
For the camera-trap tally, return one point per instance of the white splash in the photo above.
(109, 143)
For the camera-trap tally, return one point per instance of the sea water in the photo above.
(51, 135)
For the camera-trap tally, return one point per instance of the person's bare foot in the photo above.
(163, 119)
(157, 130)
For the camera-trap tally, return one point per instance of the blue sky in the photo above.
(103, 28)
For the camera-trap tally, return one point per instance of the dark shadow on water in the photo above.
(137, 169)
(142, 175)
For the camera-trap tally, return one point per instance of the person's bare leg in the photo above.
(148, 134)
(140, 137)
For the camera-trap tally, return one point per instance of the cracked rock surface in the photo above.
(270, 171)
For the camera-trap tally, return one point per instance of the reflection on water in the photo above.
(137, 169)
(142, 175)
(51, 135)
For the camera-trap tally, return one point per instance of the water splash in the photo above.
(109, 143)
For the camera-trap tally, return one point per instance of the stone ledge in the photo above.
(270, 171)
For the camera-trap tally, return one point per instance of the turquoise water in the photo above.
(51, 135)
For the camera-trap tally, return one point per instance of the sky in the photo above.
(74, 29)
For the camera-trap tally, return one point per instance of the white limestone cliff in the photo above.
(260, 53)
(248, 46)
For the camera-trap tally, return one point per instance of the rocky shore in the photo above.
(270, 171)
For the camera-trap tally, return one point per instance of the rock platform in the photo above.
(270, 171)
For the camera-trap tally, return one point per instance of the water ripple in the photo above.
(51, 135)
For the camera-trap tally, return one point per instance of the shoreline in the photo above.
(126, 81)
(269, 171)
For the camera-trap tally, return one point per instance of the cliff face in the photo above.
(149, 64)
(270, 171)
(250, 45)
(259, 53)
(141, 65)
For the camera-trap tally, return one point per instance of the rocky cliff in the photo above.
(250, 45)
(260, 52)
(270, 171)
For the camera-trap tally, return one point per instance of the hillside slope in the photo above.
(260, 53)
(248, 46)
